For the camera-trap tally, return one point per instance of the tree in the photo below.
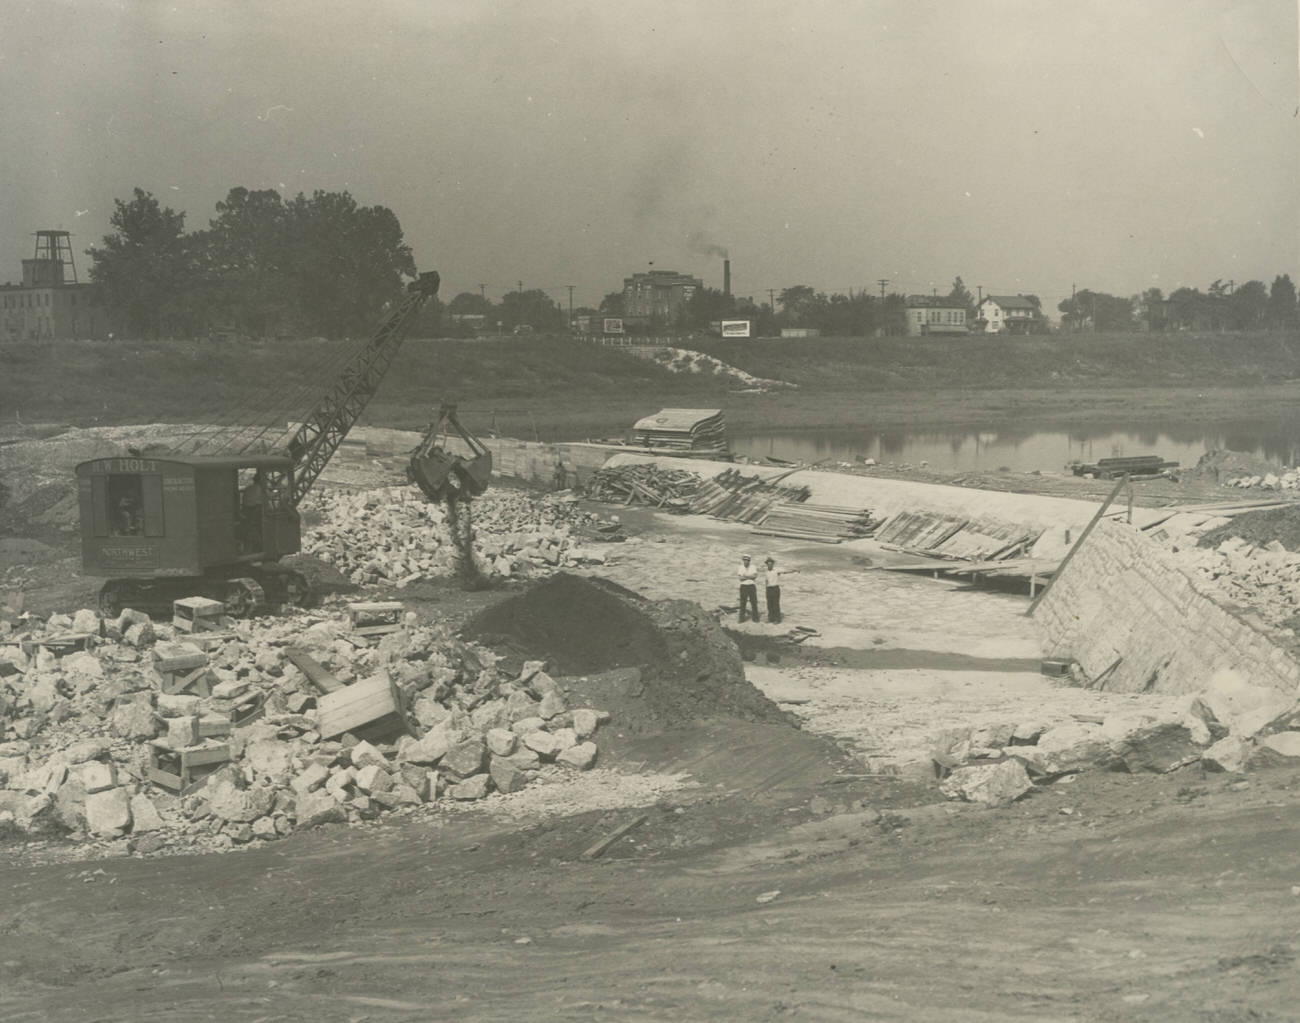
(467, 303)
(1282, 313)
(961, 296)
(1248, 307)
(796, 303)
(1097, 311)
(143, 267)
(706, 306)
(533, 308)
(612, 304)
(344, 261)
(244, 254)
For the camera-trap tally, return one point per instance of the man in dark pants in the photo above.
(772, 589)
(748, 587)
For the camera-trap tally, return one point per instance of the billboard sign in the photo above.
(613, 326)
(735, 328)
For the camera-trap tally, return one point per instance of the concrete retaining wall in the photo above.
(1123, 595)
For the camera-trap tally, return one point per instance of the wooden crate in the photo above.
(185, 770)
(375, 617)
(374, 706)
(199, 614)
(182, 668)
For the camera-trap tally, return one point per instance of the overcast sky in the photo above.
(1026, 146)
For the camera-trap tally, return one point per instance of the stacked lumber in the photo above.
(946, 536)
(1138, 466)
(825, 523)
(696, 430)
(729, 495)
(670, 489)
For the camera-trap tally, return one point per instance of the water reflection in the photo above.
(1024, 450)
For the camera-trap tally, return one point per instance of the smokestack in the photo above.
(726, 277)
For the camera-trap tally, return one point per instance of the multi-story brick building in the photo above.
(47, 305)
(660, 294)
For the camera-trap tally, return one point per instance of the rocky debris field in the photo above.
(392, 535)
(81, 729)
(1229, 727)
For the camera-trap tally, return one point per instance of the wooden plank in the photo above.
(317, 674)
(596, 850)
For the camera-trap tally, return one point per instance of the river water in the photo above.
(1019, 450)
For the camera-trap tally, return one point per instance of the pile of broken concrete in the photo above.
(82, 731)
(1265, 579)
(393, 535)
(1285, 479)
(1229, 727)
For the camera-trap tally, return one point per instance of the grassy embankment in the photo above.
(561, 388)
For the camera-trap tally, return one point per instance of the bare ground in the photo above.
(794, 877)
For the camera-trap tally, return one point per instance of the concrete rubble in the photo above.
(1264, 579)
(393, 535)
(1230, 726)
(87, 734)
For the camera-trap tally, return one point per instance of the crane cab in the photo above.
(173, 518)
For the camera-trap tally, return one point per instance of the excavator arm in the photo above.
(334, 415)
(441, 474)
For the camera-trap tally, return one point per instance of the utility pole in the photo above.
(570, 287)
(521, 286)
(771, 299)
(980, 289)
(482, 292)
(882, 282)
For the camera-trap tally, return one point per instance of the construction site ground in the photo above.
(767, 871)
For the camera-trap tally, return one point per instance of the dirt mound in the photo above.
(652, 664)
(1223, 465)
(1259, 528)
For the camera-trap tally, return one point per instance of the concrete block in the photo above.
(97, 776)
(997, 784)
(500, 741)
(144, 815)
(108, 811)
(581, 756)
(506, 776)
(475, 787)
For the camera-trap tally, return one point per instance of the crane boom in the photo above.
(328, 423)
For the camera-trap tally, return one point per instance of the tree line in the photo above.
(263, 267)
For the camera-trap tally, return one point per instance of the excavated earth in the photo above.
(782, 876)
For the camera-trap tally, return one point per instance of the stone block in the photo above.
(506, 776)
(86, 749)
(465, 758)
(1156, 747)
(525, 725)
(364, 754)
(372, 778)
(108, 811)
(182, 732)
(500, 741)
(144, 815)
(1281, 748)
(319, 807)
(312, 777)
(997, 784)
(566, 737)
(1228, 754)
(1245, 709)
(585, 722)
(581, 756)
(475, 787)
(97, 776)
(544, 744)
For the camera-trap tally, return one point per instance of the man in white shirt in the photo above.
(772, 589)
(748, 586)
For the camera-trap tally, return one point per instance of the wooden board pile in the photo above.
(947, 536)
(1136, 467)
(729, 495)
(693, 431)
(825, 523)
(670, 489)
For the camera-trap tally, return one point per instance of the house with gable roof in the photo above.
(1008, 314)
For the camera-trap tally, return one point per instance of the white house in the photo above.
(1011, 314)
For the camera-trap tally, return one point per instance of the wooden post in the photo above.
(1075, 549)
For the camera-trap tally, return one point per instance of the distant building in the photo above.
(800, 332)
(932, 314)
(659, 293)
(50, 304)
(1011, 314)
